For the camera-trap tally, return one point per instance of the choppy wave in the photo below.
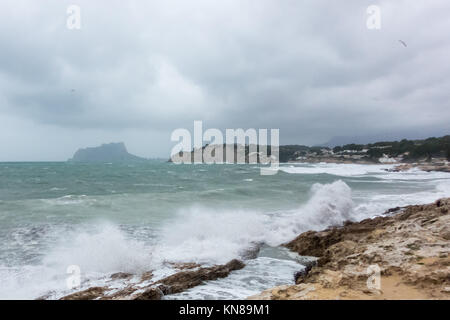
(105, 249)
(415, 174)
(203, 232)
(197, 234)
(329, 205)
(258, 275)
(102, 250)
(69, 200)
(374, 205)
(364, 170)
(337, 169)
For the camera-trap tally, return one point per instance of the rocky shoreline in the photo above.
(189, 276)
(333, 160)
(442, 167)
(409, 247)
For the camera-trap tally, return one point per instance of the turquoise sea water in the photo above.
(107, 218)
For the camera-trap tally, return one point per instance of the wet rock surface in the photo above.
(121, 275)
(184, 280)
(191, 276)
(88, 294)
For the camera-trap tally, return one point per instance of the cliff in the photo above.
(111, 152)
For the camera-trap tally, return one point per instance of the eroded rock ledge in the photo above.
(410, 246)
(175, 283)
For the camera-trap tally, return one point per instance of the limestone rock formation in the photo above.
(410, 250)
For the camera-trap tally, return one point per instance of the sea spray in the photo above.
(156, 217)
(105, 249)
(336, 169)
(97, 250)
(208, 235)
(377, 204)
(328, 205)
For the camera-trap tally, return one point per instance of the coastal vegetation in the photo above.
(386, 151)
(404, 150)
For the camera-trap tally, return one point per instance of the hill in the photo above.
(111, 152)
(378, 152)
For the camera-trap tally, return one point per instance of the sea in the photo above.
(106, 218)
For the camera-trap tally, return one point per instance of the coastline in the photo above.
(409, 246)
(440, 165)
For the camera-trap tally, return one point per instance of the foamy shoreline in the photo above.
(116, 256)
(441, 165)
(410, 245)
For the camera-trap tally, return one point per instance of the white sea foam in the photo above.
(329, 204)
(105, 249)
(206, 235)
(443, 188)
(366, 170)
(258, 275)
(414, 174)
(57, 189)
(376, 204)
(202, 234)
(337, 169)
(209, 235)
(99, 252)
(70, 200)
(27, 282)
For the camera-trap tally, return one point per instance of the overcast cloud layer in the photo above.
(137, 70)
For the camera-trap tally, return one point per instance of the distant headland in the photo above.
(432, 154)
(110, 152)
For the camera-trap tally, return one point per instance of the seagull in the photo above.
(403, 43)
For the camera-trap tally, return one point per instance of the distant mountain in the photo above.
(111, 152)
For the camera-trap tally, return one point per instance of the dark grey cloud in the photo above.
(138, 70)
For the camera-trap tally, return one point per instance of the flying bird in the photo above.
(403, 43)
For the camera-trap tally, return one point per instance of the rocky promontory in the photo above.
(403, 254)
(189, 275)
(442, 166)
(110, 152)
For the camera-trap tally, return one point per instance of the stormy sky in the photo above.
(137, 70)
